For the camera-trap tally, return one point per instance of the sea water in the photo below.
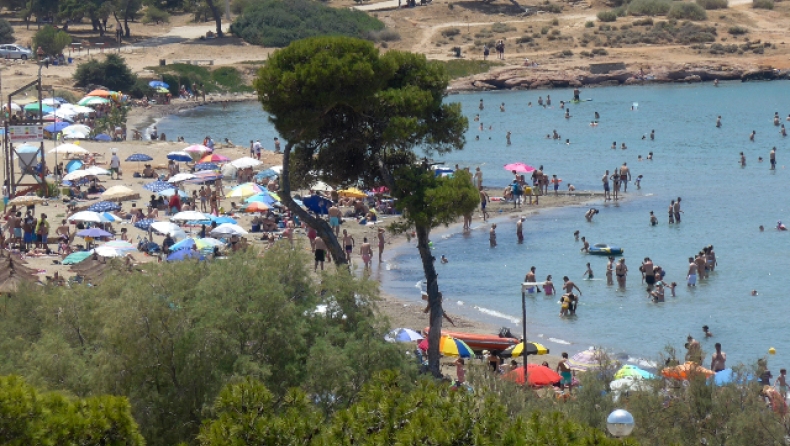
(723, 205)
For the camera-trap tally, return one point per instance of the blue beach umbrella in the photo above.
(221, 220)
(179, 156)
(319, 205)
(727, 376)
(268, 173)
(144, 224)
(56, 127)
(158, 186)
(104, 206)
(403, 335)
(158, 84)
(102, 137)
(139, 157)
(263, 197)
(206, 166)
(185, 254)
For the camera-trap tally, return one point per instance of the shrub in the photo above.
(551, 7)
(567, 53)
(555, 22)
(599, 52)
(277, 23)
(6, 32)
(385, 35)
(607, 16)
(713, 4)
(647, 21)
(112, 73)
(155, 15)
(737, 30)
(687, 11)
(544, 30)
(450, 32)
(524, 39)
(51, 40)
(649, 7)
(501, 28)
(589, 24)
(763, 4)
(230, 78)
(239, 6)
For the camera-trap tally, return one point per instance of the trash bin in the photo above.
(162, 62)
(70, 60)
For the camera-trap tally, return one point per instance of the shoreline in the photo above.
(142, 118)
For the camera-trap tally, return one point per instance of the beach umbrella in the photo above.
(519, 168)
(87, 216)
(268, 173)
(165, 227)
(56, 127)
(228, 229)
(727, 376)
(77, 109)
(100, 93)
(110, 217)
(96, 170)
(144, 224)
(103, 137)
(33, 108)
(244, 190)
(76, 257)
(222, 220)
(158, 84)
(78, 175)
(79, 128)
(26, 200)
(320, 186)
(184, 254)
(317, 204)
(586, 360)
(76, 135)
(450, 346)
(206, 166)
(170, 192)
(255, 206)
(179, 177)
(14, 107)
(686, 371)
(181, 157)
(109, 252)
(104, 206)
(92, 101)
(214, 158)
(158, 186)
(119, 193)
(139, 157)
(118, 245)
(628, 384)
(403, 335)
(162, 90)
(199, 243)
(204, 176)
(52, 102)
(533, 348)
(537, 376)
(197, 148)
(352, 192)
(634, 372)
(190, 216)
(93, 233)
(243, 163)
(263, 197)
(69, 149)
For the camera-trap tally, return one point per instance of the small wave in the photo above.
(498, 314)
(446, 236)
(460, 303)
(559, 341)
(418, 284)
(391, 266)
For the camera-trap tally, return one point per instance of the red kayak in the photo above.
(480, 342)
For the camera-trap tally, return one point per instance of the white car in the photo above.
(15, 52)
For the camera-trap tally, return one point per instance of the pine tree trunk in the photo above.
(434, 300)
(217, 18)
(320, 225)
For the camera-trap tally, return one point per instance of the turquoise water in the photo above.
(723, 203)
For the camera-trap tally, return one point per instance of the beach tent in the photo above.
(317, 204)
(74, 165)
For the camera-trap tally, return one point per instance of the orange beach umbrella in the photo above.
(100, 93)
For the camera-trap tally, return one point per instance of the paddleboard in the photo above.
(580, 100)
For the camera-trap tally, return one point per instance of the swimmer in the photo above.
(614, 145)
(490, 127)
(762, 228)
(718, 122)
(589, 273)
(638, 182)
(598, 117)
(751, 137)
(639, 158)
(481, 126)
(548, 136)
(567, 113)
(754, 293)
(576, 235)
(481, 105)
(562, 105)
(444, 259)
(743, 160)
(658, 294)
(759, 159)
(623, 147)
(567, 142)
(653, 219)
(652, 135)
(776, 119)
(783, 131)
(672, 288)
(540, 101)
(507, 137)
(772, 158)
(555, 135)
(477, 117)
(590, 214)
(502, 107)
(586, 247)
(477, 137)
(650, 156)
(706, 330)
(548, 100)
(529, 104)
(644, 136)
(715, 82)
(593, 124)
(780, 226)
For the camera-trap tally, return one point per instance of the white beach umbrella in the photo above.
(69, 149)
(76, 135)
(190, 216)
(96, 170)
(228, 229)
(278, 169)
(77, 109)
(243, 163)
(76, 128)
(52, 102)
(87, 216)
(166, 227)
(118, 192)
(179, 177)
(78, 175)
(321, 187)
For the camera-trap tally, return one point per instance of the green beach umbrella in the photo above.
(77, 257)
(92, 100)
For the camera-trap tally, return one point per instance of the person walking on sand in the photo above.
(348, 243)
(366, 252)
(492, 236)
(334, 219)
(320, 253)
(483, 202)
(381, 243)
(520, 230)
(621, 271)
(772, 158)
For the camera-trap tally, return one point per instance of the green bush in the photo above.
(544, 30)
(456, 68)
(230, 78)
(112, 73)
(67, 95)
(649, 7)
(551, 7)
(6, 32)
(239, 6)
(647, 21)
(687, 11)
(276, 23)
(555, 22)
(524, 39)
(762, 4)
(155, 15)
(589, 24)
(713, 4)
(384, 35)
(737, 30)
(51, 40)
(450, 32)
(607, 16)
(501, 28)
(600, 51)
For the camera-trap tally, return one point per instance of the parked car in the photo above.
(15, 52)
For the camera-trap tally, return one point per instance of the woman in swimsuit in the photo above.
(548, 286)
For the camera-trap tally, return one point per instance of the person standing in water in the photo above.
(381, 243)
(481, 105)
(609, 270)
(621, 271)
(483, 202)
(718, 122)
(576, 94)
(597, 117)
(652, 135)
(672, 212)
(751, 137)
(625, 176)
(588, 274)
(492, 235)
(520, 230)
(548, 100)
(772, 157)
(743, 160)
(776, 119)
(586, 247)
(502, 107)
(605, 180)
(653, 219)
(718, 361)
(366, 252)
(677, 211)
(567, 113)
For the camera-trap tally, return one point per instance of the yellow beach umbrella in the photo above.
(352, 192)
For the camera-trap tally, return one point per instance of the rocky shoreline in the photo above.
(536, 78)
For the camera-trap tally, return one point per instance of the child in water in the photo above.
(639, 182)
(589, 273)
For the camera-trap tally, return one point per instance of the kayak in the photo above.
(480, 342)
(603, 249)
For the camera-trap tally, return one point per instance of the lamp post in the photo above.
(620, 423)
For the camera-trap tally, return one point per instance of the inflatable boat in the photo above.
(602, 249)
(480, 342)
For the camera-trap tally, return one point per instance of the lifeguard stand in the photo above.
(26, 169)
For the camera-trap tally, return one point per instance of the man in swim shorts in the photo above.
(565, 371)
(772, 157)
(692, 274)
(605, 181)
(348, 244)
(519, 230)
(625, 176)
(334, 219)
(649, 274)
(320, 253)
